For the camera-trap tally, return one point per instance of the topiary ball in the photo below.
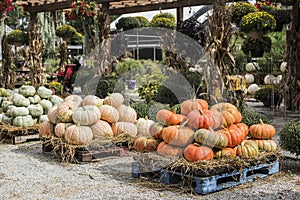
(290, 137)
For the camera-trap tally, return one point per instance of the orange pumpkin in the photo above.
(165, 149)
(155, 130)
(143, 144)
(170, 118)
(234, 135)
(230, 114)
(266, 145)
(61, 128)
(243, 127)
(262, 131)
(193, 104)
(101, 128)
(225, 153)
(247, 148)
(204, 119)
(109, 113)
(114, 99)
(124, 128)
(179, 136)
(195, 152)
(45, 129)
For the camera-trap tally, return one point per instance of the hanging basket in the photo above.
(255, 34)
(257, 53)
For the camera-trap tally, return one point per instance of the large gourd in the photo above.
(211, 138)
(27, 90)
(35, 110)
(23, 121)
(20, 100)
(78, 135)
(86, 115)
(101, 129)
(44, 92)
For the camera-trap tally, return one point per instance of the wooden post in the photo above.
(179, 12)
(296, 17)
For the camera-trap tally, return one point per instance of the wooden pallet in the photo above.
(13, 139)
(83, 155)
(17, 135)
(205, 185)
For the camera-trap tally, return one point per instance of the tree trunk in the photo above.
(2, 31)
(63, 55)
(35, 52)
(7, 68)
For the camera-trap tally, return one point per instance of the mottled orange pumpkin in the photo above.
(247, 148)
(234, 135)
(266, 145)
(193, 104)
(170, 118)
(225, 153)
(155, 130)
(45, 129)
(243, 127)
(176, 135)
(204, 119)
(194, 152)
(211, 138)
(262, 131)
(165, 149)
(143, 144)
(230, 114)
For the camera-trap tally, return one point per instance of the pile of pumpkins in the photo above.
(27, 106)
(79, 120)
(200, 133)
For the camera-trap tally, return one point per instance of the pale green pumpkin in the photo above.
(4, 92)
(43, 118)
(9, 110)
(56, 100)
(20, 100)
(46, 104)
(19, 111)
(35, 110)
(27, 90)
(23, 121)
(6, 119)
(5, 105)
(44, 93)
(35, 99)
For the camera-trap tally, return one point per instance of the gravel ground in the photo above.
(27, 173)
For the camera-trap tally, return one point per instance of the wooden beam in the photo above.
(50, 7)
(159, 6)
(179, 13)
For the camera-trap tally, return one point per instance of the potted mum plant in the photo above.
(17, 38)
(240, 9)
(257, 47)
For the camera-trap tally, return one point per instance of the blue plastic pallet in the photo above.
(205, 185)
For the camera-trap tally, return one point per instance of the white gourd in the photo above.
(268, 80)
(249, 78)
(253, 88)
(46, 104)
(23, 121)
(9, 110)
(20, 100)
(283, 66)
(44, 93)
(6, 119)
(35, 110)
(19, 111)
(35, 99)
(27, 90)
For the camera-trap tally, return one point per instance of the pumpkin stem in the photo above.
(211, 129)
(201, 111)
(261, 121)
(184, 123)
(174, 111)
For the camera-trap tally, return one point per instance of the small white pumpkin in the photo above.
(74, 99)
(269, 79)
(283, 66)
(252, 66)
(36, 110)
(23, 121)
(86, 115)
(19, 111)
(20, 100)
(35, 99)
(27, 90)
(43, 118)
(46, 104)
(9, 110)
(5, 105)
(249, 78)
(56, 100)
(127, 114)
(44, 93)
(143, 126)
(6, 119)
(253, 88)
(92, 100)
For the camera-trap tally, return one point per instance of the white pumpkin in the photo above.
(19, 111)
(46, 104)
(61, 128)
(23, 121)
(35, 99)
(20, 100)
(127, 114)
(253, 88)
(43, 118)
(92, 100)
(283, 66)
(249, 78)
(253, 66)
(44, 93)
(56, 100)
(78, 135)
(74, 99)
(9, 110)
(277, 79)
(6, 119)
(1, 115)
(27, 90)
(143, 126)
(36, 110)
(5, 105)
(86, 115)
(101, 128)
(269, 79)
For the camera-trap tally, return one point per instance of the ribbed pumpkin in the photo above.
(243, 127)
(266, 145)
(45, 129)
(165, 149)
(143, 144)
(74, 100)
(19, 111)
(109, 113)
(27, 90)
(193, 104)
(262, 131)
(155, 130)
(114, 99)
(247, 148)
(92, 100)
(127, 114)
(52, 115)
(35, 110)
(194, 152)
(176, 135)
(44, 92)
(234, 135)
(86, 115)
(230, 114)
(204, 119)
(61, 128)
(124, 127)
(20, 100)
(46, 104)
(23, 121)
(65, 111)
(143, 126)
(211, 138)
(225, 153)
(101, 128)
(78, 135)
(170, 118)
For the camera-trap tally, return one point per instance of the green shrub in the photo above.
(127, 23)
(141, 108)
(130, 69)
(154, 108)
(265, 95)
(240, 9)
(166, 15)
(17, 37)
(108, 85)
(251, 117)
(290, 137)
(144, 22)
(177, 107)
(163, 20)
